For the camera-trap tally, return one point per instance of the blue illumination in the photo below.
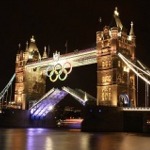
(47, 104)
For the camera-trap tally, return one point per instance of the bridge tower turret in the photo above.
(30, 82)
(115, 81)
(19, 95)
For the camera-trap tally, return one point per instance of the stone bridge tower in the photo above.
(115, 81)
(30, 83)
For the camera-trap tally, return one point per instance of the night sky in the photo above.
(52, 22)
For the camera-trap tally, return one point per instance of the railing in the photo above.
(136, 108)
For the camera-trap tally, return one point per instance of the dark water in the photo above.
(48, 139)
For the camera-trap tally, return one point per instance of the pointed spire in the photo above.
(44, 53)
(32, 39)
(85, 97)
(27, 46)
(131, 30)
(49, 49)
(66, 46)
(32, 45)
(34, 54)
(117, 19)
(19, 46)
(116, 13)
(131, 33)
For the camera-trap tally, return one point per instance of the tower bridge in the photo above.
(117, 69)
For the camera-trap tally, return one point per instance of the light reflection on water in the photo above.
(48, 139)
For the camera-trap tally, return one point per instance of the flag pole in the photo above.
(66, 45)
(48, 50)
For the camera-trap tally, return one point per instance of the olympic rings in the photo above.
(58, 71)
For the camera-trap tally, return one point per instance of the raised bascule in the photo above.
(117, 71)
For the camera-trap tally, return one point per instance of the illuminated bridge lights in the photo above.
(130, 64)
(73, 58)
(37, 105)
(44, 110)
(136, 108)
(53, 97)
(138, 71)
(4, 91)
(45, 105)
(76, 96)
(58, 71)
(86, 95)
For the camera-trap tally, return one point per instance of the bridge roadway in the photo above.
(76, 59)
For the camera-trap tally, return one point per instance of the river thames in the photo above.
(73, 139)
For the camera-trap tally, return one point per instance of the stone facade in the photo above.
(30, 82)
(115, 82)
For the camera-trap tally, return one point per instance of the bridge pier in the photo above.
(114, 119)
(15, 118)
